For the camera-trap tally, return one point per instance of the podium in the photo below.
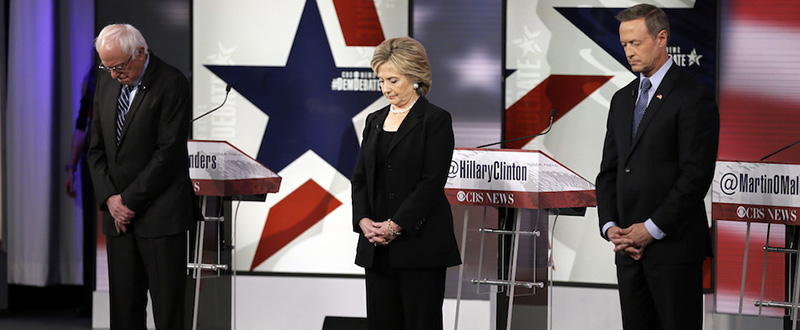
(533, 186)
(220, 174)
(760, 192)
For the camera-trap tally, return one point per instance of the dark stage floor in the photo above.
(64, 307)
(44, 320)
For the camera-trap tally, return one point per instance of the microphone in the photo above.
(227, 91)
(552, 117)
(779, 150)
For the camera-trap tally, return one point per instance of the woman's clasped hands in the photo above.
(379, 233)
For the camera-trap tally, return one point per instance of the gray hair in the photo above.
(654, 18)
(127, 37)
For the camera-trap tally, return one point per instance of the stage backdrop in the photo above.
(302, 87)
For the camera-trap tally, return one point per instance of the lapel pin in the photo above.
(659, 96)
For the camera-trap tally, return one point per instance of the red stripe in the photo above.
(531, 114)
(755, 213)
(291, 217)
(521, 199)
(752, 127)
(204, 187)
(774, 12)
(359, 21)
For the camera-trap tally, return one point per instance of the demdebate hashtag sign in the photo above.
(514, 178)
(754, 191)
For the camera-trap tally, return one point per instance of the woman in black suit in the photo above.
(399, 206)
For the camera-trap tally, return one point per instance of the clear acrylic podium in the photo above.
(528, 187)
(220, 173)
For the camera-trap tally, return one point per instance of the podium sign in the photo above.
(219, 169)
(515, 178)
(756, 192)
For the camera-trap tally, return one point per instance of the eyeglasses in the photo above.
(116, 68)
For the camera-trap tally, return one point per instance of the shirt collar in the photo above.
(657, 77)
(144, 70)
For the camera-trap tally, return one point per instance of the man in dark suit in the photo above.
(658, 163)
(140, 168)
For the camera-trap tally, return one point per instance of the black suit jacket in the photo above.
(416, 172)
(665, 170)
(150, 166)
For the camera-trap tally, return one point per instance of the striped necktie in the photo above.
(123, 104)
(641, 104)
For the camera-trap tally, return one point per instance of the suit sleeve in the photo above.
(698, 139)
(169, 158)
(606, 182)
(359, 182)
(96, 155)
(429, 190)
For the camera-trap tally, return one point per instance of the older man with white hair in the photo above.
(140, 168)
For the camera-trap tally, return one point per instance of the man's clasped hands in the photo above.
(630, 241)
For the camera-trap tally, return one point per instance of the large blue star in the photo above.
(694, 28)
(304, 112)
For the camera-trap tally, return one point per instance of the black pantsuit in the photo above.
(400, 299)
(403, 179)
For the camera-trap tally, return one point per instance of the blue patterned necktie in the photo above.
(123, 104)
(641, 104)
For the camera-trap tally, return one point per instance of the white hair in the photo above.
(127, 37)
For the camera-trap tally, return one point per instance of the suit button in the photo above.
(389, 168)
(627, 170)
(391, 195)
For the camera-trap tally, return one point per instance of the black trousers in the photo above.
(138, 265)
(405, 299)
(661, 296)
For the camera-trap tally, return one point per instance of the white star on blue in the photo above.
(304, 114)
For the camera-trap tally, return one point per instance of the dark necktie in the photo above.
(641, 104)
(123, 104)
